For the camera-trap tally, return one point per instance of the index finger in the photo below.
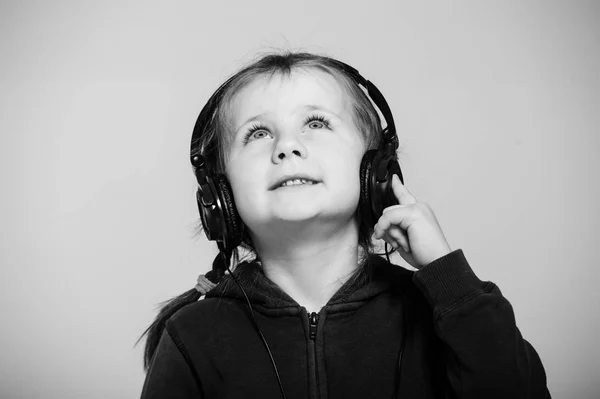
(401, 192)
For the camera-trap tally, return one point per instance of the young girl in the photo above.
(294, 167)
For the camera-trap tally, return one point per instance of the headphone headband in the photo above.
(377, 98)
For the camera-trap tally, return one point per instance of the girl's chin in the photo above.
(309, 213)
(295, 213)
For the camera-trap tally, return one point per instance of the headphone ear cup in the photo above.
(374, 196)
(231, 217)
(366, 191)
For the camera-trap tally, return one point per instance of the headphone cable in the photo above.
(259, 332)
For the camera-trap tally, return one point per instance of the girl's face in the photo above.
(282, 126)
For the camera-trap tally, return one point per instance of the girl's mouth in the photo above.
(297, 182)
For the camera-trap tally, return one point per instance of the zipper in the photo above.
(313, 320)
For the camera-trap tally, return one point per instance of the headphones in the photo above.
(220, 219)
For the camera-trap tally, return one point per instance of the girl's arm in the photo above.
(487, 357)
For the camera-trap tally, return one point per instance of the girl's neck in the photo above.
(311, 271)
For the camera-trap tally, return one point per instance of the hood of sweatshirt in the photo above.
(375, 276)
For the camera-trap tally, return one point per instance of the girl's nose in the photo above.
(287, 147)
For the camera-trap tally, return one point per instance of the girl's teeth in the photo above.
(295, 182)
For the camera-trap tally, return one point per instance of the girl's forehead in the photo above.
(288, 94)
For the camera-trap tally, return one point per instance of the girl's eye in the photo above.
(317, 122)
(258, 134)
(255, 131)
(313, 122)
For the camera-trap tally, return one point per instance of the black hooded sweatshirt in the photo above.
(439, 332)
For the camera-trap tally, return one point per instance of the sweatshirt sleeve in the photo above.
(171, 374)
(487, 357)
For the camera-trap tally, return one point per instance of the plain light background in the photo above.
(497, 109)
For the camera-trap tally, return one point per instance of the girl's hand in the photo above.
(412, 228)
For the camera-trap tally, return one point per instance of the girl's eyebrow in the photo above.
(251, 119)
(312, 107)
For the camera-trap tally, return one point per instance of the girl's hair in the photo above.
(214, 142)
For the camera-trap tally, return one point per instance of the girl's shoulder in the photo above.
(200, 323)
(398, 277)
(205, 309)
(389, 278)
